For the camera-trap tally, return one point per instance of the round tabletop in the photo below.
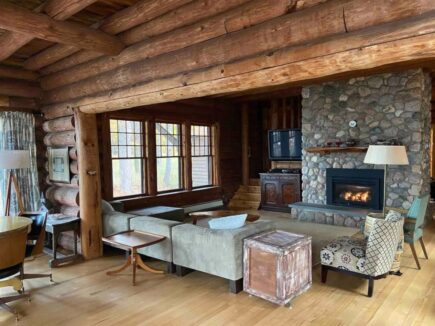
(11, 223)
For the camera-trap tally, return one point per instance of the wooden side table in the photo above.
(132, 241)
(56, 226)
(277, 265)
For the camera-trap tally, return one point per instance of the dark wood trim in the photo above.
(215, 134)
(150, 141)
(187, 154)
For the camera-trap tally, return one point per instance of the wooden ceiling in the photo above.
(92, 14)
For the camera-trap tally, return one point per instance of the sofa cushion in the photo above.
(345, 253)
(228, 222)
(161, 250)
(164, 212)
(114, 222)
(217, 252)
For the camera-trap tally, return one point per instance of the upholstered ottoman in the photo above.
(161, 250)
(164, 212)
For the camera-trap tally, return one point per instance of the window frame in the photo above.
(149, 182)
(211, 154)
(181, 164)
(144, 158)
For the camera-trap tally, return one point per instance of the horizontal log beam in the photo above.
(283, 31)
(59, 124)
(17, 73)
(63, 195)
(252, 13)
(18, 102)
(405, 43)
(292, 29)
(17, 19)
(188, 14)
(64, 138)
(20, 88)
(10, 42)
(138, 13)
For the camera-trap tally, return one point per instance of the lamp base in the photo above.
(12, 180)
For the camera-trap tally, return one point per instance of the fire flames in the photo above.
(360, 196)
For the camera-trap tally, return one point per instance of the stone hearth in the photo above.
(385, 106)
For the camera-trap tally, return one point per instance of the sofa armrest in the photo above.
(217, 252)
(115, 222)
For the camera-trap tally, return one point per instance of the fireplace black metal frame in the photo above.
(366, 177)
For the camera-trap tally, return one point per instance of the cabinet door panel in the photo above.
(271, 192)
(290, 192)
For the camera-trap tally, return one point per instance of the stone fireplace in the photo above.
(384, 107)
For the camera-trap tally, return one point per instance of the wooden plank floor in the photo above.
(84, 295)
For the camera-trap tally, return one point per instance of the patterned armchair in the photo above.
(370, 259)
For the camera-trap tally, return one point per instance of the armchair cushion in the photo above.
(345, 253)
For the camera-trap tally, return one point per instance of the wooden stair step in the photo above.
(244, 203)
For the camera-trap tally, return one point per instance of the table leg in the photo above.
(123, 267)
(134, 261)
(146, 267)
(75, 242)
(54, 242)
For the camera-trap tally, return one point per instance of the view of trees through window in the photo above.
(130, 161)
(127, 157)
(168, 154)
(201, 156)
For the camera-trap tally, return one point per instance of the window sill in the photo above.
(166, 194)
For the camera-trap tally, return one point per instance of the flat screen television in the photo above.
(285, 145)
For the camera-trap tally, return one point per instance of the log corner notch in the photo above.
(90, 184)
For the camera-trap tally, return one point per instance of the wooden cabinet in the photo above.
(277, 265)
(278, 190)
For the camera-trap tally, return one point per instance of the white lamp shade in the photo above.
(10, 159)
(389, 155)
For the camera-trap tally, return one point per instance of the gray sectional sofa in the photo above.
(190, 247)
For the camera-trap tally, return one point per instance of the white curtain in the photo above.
(17, 132)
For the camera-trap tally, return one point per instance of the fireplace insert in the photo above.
(359, 188)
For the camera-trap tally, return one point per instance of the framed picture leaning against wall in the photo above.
(58, 165)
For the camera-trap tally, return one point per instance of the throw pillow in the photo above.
(228, 222)
(106, 207)
(393, 216)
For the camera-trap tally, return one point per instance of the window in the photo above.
(168, 155)
(201, 156)
(127, 154)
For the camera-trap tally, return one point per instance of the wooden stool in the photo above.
(132, 241)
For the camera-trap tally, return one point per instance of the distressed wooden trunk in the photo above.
(277, 265)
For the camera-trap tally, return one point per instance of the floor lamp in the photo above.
(12, 160)
(386, 155)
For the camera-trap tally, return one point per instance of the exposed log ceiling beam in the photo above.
(22, 88)
(252, 13)
(18, 73)
(410, 41)
(56, 9)
(288, 30)
(155, 24)
(17, 19)
(138, 13)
